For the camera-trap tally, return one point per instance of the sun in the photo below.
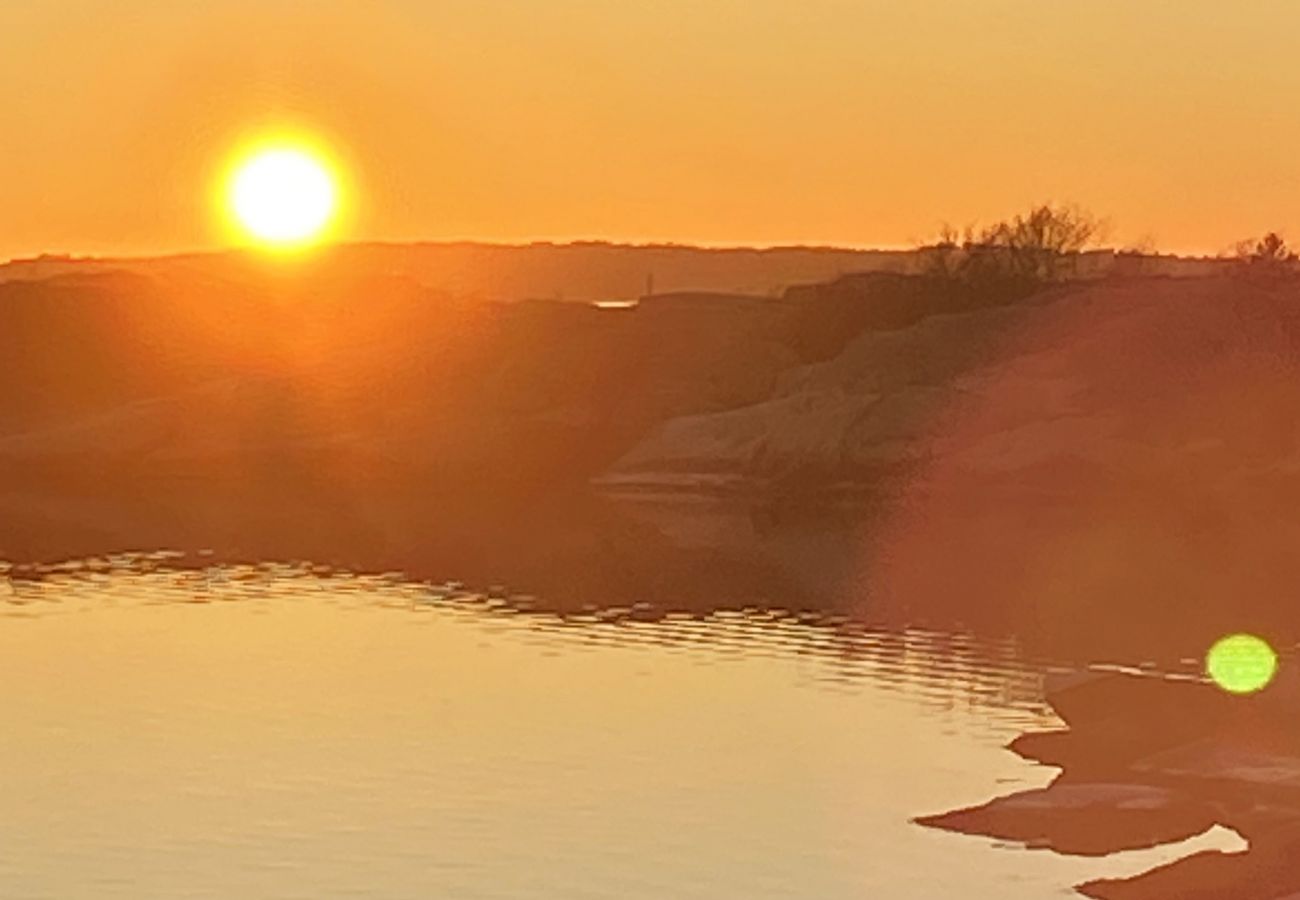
(283, 196)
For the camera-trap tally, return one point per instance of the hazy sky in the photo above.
(865, 122)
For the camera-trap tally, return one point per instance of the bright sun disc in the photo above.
(283, 196)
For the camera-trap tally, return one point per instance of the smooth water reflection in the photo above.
(290, 731)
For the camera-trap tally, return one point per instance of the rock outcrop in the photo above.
(1124, 376)
(1131, 780)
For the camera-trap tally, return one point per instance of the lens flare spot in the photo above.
(1241, 663)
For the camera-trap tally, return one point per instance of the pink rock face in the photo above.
(1120, 463)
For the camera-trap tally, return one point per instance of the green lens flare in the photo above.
(1241, 663)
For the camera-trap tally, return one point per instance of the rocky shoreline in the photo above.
(1076, 461)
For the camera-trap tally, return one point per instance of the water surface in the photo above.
(291, 731)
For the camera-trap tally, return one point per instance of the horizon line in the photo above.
(556, 243)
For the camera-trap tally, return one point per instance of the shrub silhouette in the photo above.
(1015, 257)
(1268, 256)
(977, 268)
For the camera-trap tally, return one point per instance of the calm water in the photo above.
(284, 732)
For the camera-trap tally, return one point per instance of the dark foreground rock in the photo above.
(1136, 776)
(1085, 819)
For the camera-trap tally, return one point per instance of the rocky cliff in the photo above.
(1131, 447)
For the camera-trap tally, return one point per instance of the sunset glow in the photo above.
(680, 122)
(283, 196)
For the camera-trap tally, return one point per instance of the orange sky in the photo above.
(717, 121)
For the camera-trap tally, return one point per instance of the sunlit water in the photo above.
(286, 732)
